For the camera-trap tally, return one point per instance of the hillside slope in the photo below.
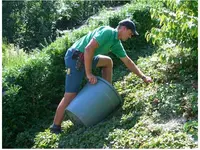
(152, 116)
(162, 114)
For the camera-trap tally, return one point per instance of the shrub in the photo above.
(32, 89)
(24, 99)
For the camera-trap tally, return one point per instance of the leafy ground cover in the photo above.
(162, 114)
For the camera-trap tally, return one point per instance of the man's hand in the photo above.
(92, 79)
(147, 79)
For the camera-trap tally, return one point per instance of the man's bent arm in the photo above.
(88, 56)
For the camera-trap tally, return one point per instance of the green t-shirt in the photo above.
(107, 39)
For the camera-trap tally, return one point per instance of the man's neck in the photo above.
(119, 33)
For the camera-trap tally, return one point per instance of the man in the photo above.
(87, 53)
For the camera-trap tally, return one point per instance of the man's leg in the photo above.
(68, 97)
(60, 112)
(73, 81)
(107, 67)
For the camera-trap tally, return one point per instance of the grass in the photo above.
(13, 56)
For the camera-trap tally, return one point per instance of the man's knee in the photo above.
(110, 63)
(105, 62)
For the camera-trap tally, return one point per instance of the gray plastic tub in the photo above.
(93, 103)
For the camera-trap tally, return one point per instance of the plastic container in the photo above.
(93, 103)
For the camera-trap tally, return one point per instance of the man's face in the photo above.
(126, 34)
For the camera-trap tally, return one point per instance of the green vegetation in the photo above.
(13, 56)
(162, 114)
(34, 24)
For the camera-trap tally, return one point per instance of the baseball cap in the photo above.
(129, 25)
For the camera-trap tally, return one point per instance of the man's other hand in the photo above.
(147, 79)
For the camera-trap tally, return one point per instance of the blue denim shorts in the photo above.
(74, 76)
